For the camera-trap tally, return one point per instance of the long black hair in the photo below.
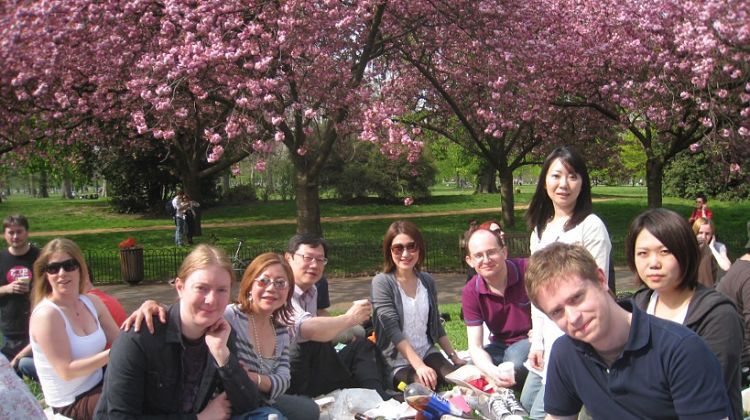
(541, 209)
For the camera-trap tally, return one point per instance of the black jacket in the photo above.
(714, 318)
(144, 376)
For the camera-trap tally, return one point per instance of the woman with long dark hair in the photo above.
(560, 211)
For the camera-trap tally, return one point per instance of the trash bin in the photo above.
(131, 265)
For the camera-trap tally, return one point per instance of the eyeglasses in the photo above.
(67, 265)
(399, 248)
(308, 259)
(491, 253)
(264, 282)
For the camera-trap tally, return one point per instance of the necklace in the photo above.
(263, 364)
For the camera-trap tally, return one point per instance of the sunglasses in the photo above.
(264, 282)
(67, 265)
(399, 248)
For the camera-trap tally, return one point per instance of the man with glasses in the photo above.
(495, 298)
(316, 367)
(16, 273)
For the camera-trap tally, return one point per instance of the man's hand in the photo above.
(218, 408)
(146, 313)
(216, 340)
(536, 359)
(426, 376)
(360, 311)
(17, 287)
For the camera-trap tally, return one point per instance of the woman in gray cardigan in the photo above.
(406, 317)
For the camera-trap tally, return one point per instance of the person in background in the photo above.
(16, 280)
(560, 211)
(496, 299)
(701, 209)
(616, 360)
(69, 331)
(714, 259)
(406, 318)
(662, 251)
(188, 367)
(736, 286)
(180, 203)
(191, 219)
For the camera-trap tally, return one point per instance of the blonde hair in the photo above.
(700, 222)
(204, 256)
(41, 287)
(556, 261)
(283, 315)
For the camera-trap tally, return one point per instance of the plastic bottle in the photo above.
(431, 405)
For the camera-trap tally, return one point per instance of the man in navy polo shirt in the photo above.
(496, 297)
(617, 361)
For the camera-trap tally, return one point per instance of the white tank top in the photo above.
(59, 392)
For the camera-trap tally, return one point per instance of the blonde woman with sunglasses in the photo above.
(406, 317)
(69, 331)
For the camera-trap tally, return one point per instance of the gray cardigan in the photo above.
(388, 314)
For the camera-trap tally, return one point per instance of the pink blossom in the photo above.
(695, 147)
(301, 151)
(260, 165)
(408, 201)
(744, 131)
(235, 169)
(734, 168)
(279, 136)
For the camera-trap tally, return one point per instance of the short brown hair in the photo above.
(557, 261)
(283, 315)
(16, 219)
(41, 287)
(396, 228)
(674, 232)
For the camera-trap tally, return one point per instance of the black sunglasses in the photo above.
(67, 265)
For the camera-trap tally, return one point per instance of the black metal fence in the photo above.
(345, 259)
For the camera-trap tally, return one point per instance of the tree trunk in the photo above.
(43, 183)
(224, 184)
(507, 199)
(32, 188)
(654, 175)
(67, 187)
(308, 203)
(486, 182)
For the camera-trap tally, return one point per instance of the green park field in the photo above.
(267, 225)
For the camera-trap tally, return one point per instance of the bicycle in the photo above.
(238, 264)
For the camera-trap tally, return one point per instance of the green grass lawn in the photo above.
(620, 206)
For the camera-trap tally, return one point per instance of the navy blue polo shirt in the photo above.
(664, 372)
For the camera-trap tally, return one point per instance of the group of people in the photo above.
(676, 349)
(184, 211)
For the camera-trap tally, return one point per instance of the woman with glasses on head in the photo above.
(69, 331)
(560, 211)
(406, 317)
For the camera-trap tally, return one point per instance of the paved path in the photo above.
(342, 290)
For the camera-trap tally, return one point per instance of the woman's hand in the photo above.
(145, 312)
(426, 376)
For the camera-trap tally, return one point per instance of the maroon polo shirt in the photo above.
(508, 317)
